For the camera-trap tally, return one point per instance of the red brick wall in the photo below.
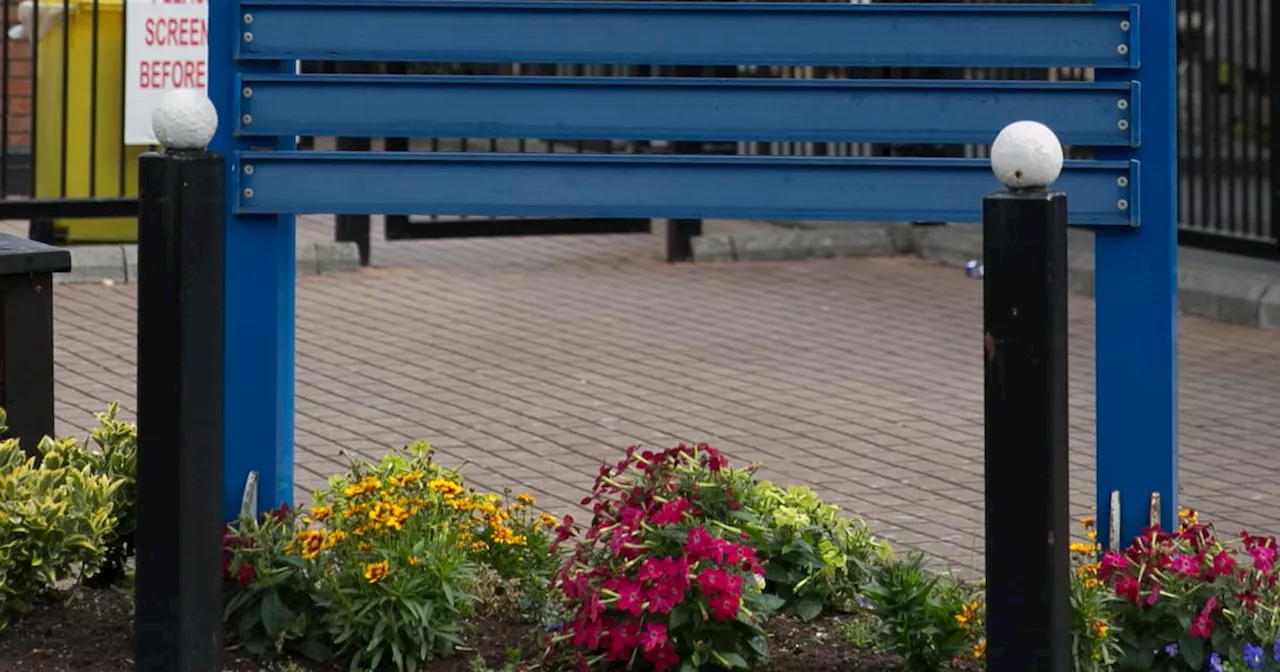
(17, 107)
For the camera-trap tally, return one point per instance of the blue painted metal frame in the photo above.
(254, 43)
(684, 33)
(1137, 305)
(259, 321)
(587, 108)
(585, 185)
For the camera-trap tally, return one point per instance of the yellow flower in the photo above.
(526, 499)
(504, 535)
(1092, 583)
(445, 487)
(460, 503)
(414, 561)
(412, 477)
(1087, 523)
(366, 546)
(1099, 628)
(334, 539)
(321, 513)
(547, 520)
(310, 541)
(377, 571)
(365, 485)
(1092, 534)
(479, 546)
(968, 612)
(980, 649)
(1081, 547)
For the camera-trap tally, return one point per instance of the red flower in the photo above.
(631, 516)
(1127, 586)
(1155, 594)
(246, 574)
(592, 609)
(651, 570)
(712, 458)
(724, 607)
(1201, 627)
(662, 657)
(670, 513)
(587, 633)
(565, 530)
(664, 597)
(1223, 564)
(629, 598)
(1249, 600)
(713, 581)
(623, 640)
(699, 542)
(654, 637)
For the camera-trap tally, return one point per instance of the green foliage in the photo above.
(916, 612)
(55, 520)
(117, 459)
(270, 602)
(815, 558)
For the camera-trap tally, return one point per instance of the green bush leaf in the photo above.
(809, 608)
(275, 616)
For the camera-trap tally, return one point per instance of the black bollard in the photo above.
(26, 337)
(1027, 526)
(181, 230)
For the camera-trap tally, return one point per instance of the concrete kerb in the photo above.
(118, 264)
(1214, 291)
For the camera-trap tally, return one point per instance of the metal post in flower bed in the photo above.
(180, 392)
(1024, 230)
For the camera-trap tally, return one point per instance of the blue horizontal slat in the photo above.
(558, 31)
(560, 185)
(1082, 113)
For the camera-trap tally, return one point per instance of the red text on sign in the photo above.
(175, 74)
(175, 32)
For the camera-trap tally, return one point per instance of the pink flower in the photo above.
(631, 516)
(1155, 594)
(1184, 565)
(1110, 563)
(724, 607)
(1263, 558)
(654, 637)
(1202, 627)
(651, 570)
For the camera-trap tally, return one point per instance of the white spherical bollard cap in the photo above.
(1026, 155)
(184, 119)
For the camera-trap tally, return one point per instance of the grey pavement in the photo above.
(534, 359)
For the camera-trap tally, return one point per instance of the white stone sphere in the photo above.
(184, 119)
(1026, 155)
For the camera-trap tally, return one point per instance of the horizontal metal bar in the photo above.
(624, 186)
(611, 108)
(66, 208)
(502, 228)
(689, 33)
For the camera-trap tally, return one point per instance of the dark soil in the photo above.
(92, 632)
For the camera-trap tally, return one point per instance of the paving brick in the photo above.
(534, 359)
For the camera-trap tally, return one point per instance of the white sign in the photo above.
(166, 48)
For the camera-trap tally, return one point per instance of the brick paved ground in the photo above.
(536, 358)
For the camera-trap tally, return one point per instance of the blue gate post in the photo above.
(1136, 288)
(260, 258)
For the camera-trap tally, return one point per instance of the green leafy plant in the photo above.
(116, 458)
(814, 557)
(394, 570)
(55, 520)
(924, 617)
(270, 601)
(659, 579)
(1094, 639)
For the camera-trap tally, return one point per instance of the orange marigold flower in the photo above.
(321, 513)
(311, 542)
(526, 499)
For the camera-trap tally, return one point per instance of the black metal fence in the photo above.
(61, 145)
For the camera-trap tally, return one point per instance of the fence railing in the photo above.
(61, 131)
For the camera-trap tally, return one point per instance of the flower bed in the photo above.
(683, 563)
